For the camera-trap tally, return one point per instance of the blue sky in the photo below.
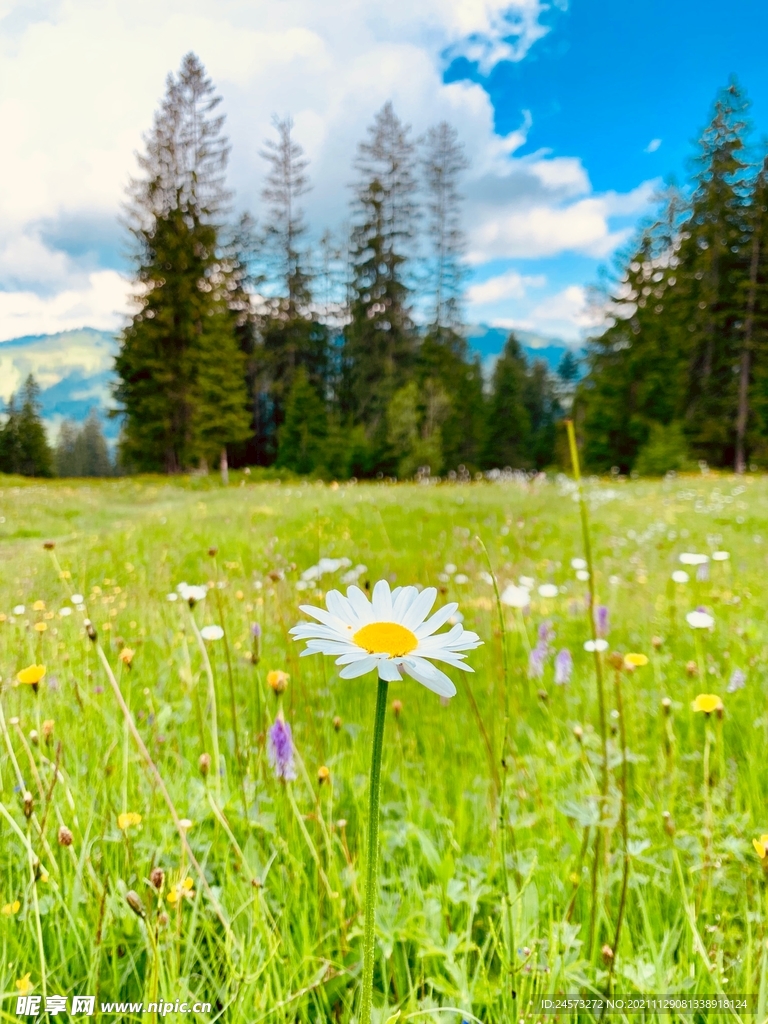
(558, 105)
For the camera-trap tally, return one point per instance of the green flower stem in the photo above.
(372, 867)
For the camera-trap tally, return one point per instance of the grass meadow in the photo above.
(507, 865)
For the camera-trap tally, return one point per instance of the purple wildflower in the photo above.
(546, 634)
(255, 631)
(702, 573)
(736, 682)
(563, 667)
(601, 620)
(536, 660)
(280, 750)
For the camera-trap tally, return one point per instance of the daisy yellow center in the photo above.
(386, 638)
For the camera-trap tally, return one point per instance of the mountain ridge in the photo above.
(75, 368)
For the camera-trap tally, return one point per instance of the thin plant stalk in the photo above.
(160, 783)
(232, 696)
(598, 669)
(372, 866)
(212, 702)
(624, 823)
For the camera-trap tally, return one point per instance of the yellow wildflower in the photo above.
(761, 846)
(39, 606)
(41, 627)
(10, 909)
(128, 818)
(635, 660)
(31, 675)
(277, 680)
(126, 656)
(24, 985)
(707, 702)
(185, 888)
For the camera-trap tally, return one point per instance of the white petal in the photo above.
(437, 620)
(402, 600)
(325, 617)
(358, 668)
(388, 671)
(429, 676)
(420, 608)
(382, 601)
(361, 606)
(339, 606)
(456, 660)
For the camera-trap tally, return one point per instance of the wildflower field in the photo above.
(184, 799)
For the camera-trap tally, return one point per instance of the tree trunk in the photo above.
(224, 467)
(746, 357)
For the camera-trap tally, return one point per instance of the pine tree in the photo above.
(443, 162)
(304, 430)
(380, 341)
(713, 258)
(27, 440)
(64, 453)
(509, 424)
(175, 217)
(752, 412)
(291, 337)
(10, 453)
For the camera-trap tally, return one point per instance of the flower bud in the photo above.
(337, 722)
(134, 902)
(578, 732)
(669, 824)
(616, 660)
(34, 738)
(213, 551)
(64, 836)
(607, 953)
(90, 630)
(397, 707)
(666, 704)
(277, 680)
(157, 877)
(28, 803)
(49, 545)
(656, 642)
(692, 668)
(162, 919)
(204, 764)
(323, 774)
(48, 729)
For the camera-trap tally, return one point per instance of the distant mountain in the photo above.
(489, 342)
(73, 368)
(76, 368)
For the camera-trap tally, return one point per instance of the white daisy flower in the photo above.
(77, 599)
(211, 632)
(548, 590)
(680, 576)
(516, 597)
(700, 620)
(720, 556)
(192, 594)
(578, 563)
(595, 645)
(691, 558)
(391, 633)
(19, 609)
(527, 582)
(582, 575)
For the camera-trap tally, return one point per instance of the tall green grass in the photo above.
(274, 931)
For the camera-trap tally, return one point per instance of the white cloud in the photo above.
(509, 285)
(100, 301)
(653, 145)
(80, 79)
